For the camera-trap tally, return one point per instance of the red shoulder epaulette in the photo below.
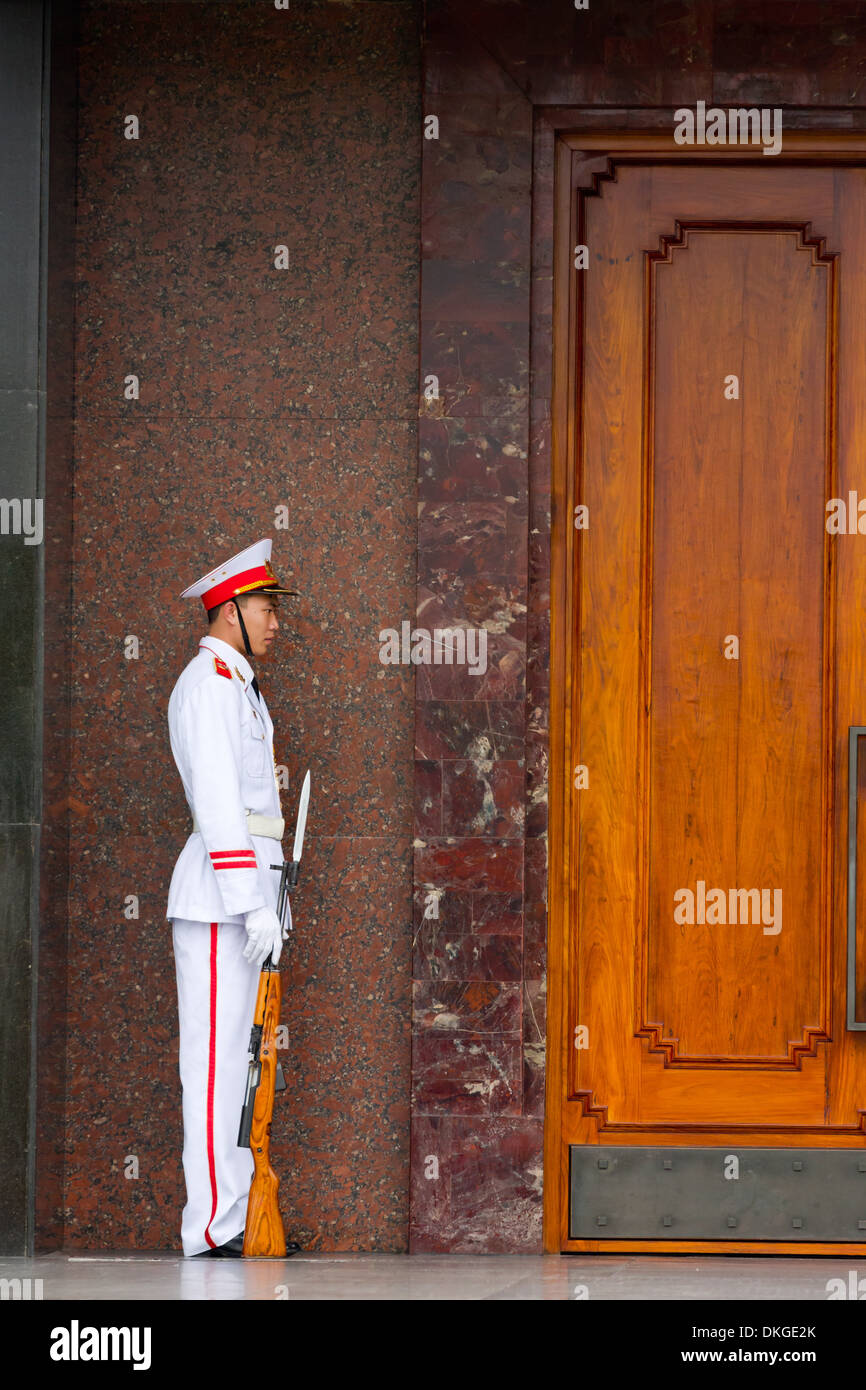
(221, 668)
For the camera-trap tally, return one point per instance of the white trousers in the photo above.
(216, 994)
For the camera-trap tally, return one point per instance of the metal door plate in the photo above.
(717, 1194)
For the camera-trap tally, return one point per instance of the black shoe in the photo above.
(232, 1250)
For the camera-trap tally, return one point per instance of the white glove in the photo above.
(265, 935)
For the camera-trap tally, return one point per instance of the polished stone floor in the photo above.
(148, 1277)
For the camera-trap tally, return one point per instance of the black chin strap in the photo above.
(247, 644)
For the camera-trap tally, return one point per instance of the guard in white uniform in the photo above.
(223, 892)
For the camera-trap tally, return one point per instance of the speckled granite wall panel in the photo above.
(260, 388)
(258, 127)
(318, 684)
(342, 1149)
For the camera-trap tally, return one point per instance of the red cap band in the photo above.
(238, 584)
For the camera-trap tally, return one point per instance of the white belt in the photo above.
(271, 827)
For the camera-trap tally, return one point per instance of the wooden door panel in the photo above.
(774, 194)
(793, 1098)
(736, 491)
(707, 638)
(695, 537)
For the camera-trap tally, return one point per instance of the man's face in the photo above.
(260, 618)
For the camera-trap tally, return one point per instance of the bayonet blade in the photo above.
(301, 823)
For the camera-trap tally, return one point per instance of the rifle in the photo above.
(264, 1234)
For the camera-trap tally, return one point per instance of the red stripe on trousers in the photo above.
(211, 1072)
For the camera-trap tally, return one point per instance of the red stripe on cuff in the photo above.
(232, 854)
(237, 864)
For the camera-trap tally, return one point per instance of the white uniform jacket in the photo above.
(222, 741)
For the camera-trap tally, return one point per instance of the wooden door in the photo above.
(708, 660)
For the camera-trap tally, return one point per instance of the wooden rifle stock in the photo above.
(264, 1235)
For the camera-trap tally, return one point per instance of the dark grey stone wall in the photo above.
(23, 257)
(25, 262)
(50, 1070)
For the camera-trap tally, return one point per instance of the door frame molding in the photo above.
(801, 146)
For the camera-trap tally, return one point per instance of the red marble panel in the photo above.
(470, 460)
(497, 912)
(502, 680)
(491, 865)
(496, 1183)
(467, 1074)
(535, 925)
(470, 537)
(491, 127)
(446, 1008)
(486, 1195)
(482, 797)
(454, 60)
(431, 1174)
(481, 371)
(534, 1045)
(452, 911)
(494, 604)
(443, 954)
(537, 737)
(119, 1105)
(490, 600)
(477, 914)
(485, 294)
(542, 357)
(465, 224)
(772, 53)
(469, 728)
(615, 52)
(428, 798)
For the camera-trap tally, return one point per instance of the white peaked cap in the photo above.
(248, 572)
